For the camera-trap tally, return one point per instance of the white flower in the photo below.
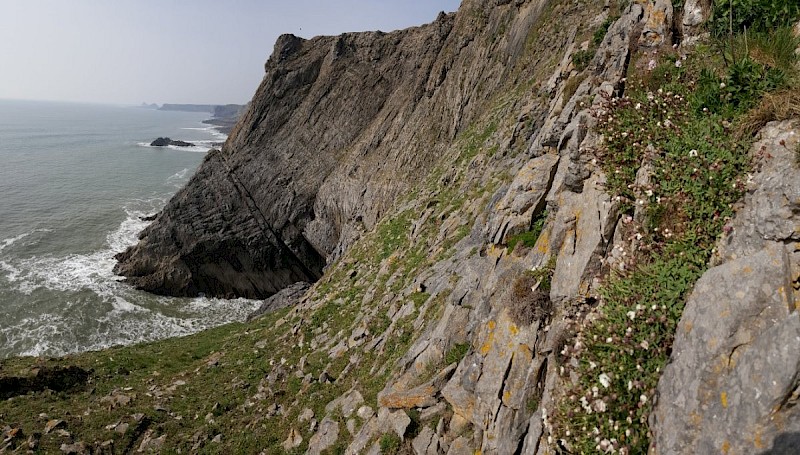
(693, 153)
(605, 380)
(649, 193)
(721, 85)
(585, 405)
(643, 399)
(600, 406)
(609, 340)
(630, 385)
(638, 106)
(592, 365)
(645, 345)
(678, 64)
(631, 315)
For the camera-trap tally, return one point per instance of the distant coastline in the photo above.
(223, 116)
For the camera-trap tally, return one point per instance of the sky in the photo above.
(170, 51)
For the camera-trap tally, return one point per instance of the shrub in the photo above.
(582, 58)
(390, 443)
(528, 299)
(753, 15)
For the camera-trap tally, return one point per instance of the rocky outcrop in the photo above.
(285, 298)
(736, 356)
(339, 127)
(406, 163)
(165, 141)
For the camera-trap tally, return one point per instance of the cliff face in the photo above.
(411, 163)
(337, 129)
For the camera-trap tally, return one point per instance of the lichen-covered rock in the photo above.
(658, 23)
(695, 14)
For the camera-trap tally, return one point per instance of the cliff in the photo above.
(531, 226)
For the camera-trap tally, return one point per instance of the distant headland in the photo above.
(223, 116)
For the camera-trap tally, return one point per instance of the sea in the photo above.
(75, 182)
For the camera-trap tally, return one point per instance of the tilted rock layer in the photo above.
(407, 161)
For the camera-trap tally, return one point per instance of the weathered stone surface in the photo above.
(285, 298)
(338, 128)
(732, 381)
(324, 438)
(773, 202)
(293, 440)
(397, 421)
(581, 231)
(658, 23)
(524, 199)
(461, 446)
(422, 396)
(78, 448)
(426, 442)
(347, 403)
(695, 14)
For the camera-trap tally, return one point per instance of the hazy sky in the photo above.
(170, 51)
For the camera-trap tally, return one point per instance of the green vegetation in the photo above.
(456, 353)
(752, 15)
(528, 238)
(582, 57)
(390, 443)
(679, 120)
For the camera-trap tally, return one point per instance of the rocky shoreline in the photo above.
(515, 220)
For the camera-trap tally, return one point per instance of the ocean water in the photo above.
(74, 181)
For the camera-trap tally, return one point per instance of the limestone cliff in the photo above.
(458, 185)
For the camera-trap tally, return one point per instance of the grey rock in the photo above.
(658, 24)
(324, 438)
(365, 412)
(523, 200)
(695, 14)
(771, 206)
(347, 403)
(399, 422)
(426, 442)
(306, 415)
(581, 231)
(293, 440)
(461, 446)
(285, 298)
(78, 448)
